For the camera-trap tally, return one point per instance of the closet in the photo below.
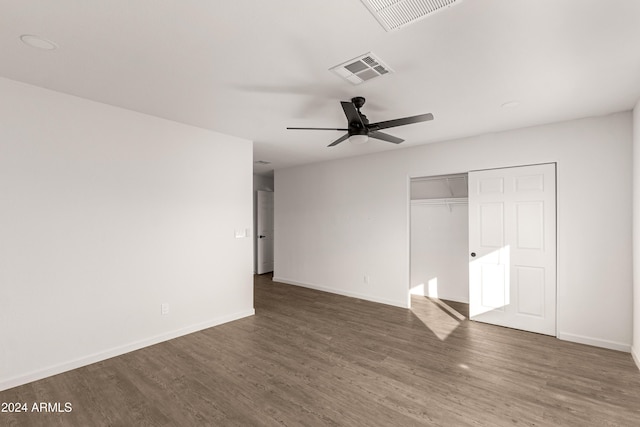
(440, 237)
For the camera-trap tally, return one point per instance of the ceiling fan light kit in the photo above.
(358, 139)
(359, 130)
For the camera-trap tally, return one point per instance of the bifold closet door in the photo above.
(512, 247)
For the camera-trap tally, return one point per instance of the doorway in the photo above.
(440, 237)
(264, 232)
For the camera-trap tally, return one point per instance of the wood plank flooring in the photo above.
(310, 358)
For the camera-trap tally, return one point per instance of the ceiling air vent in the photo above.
(361, 69)
(395, 14)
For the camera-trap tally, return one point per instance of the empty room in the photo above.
(347, 213)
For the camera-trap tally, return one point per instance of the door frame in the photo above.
(256, 239)
(408, 199)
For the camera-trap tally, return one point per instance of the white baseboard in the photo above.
(341, 292)
(636, 356)
(118, 351)
(581, 339)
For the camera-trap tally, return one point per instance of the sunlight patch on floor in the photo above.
(438, 317)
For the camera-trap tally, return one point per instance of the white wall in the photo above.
(105, 215)
(341, 220)
(636, 234)
(439, 251)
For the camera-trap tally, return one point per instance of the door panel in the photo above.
(512, 245)
(491, 185)
(491, 225)
(530, 225)
(529, 183)
(530, 288)
(494, 291)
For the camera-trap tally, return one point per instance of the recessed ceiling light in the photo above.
(38, 42)
(510, 104)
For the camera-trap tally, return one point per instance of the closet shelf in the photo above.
(448, 202)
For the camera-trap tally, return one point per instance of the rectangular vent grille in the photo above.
(360, 69)
(395, 14)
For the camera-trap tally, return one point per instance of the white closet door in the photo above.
(512, 246)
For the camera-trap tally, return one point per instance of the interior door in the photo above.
(264, 242)
(512, 247)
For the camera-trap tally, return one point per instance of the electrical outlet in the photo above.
(366, 279)
(164, 309)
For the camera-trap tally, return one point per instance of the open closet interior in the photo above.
(440, 237)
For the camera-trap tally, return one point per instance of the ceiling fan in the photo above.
(359, 130)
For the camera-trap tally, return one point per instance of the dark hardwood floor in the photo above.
(311, 358)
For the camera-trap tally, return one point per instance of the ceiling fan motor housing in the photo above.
(356, 127)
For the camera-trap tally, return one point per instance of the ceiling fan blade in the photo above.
(342, 129)
(353, 117)
(385, 137)
(339, 140)
(401, 122)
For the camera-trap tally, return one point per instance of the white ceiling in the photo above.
(251, 68)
